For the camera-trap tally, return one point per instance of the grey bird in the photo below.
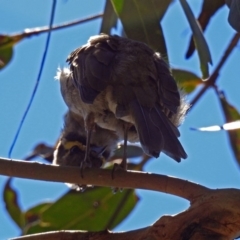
(124, 86)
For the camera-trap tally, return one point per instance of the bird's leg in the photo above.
(89, 126)
(123, 164)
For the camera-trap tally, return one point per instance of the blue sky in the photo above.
(210, 162)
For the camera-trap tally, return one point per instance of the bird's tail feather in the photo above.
(156, 132)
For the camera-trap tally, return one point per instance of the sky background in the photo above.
(211, 161)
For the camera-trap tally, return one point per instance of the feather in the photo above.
(135, 86)
(150, 136)
(167, 87)
(172, 146)
(156, 132)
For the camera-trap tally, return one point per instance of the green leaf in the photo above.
(231, 114)
(234, 14)
(132, 152)
(199, 40)
(6, 51)
(94, 210)
(10, 197)
(141, 21)
(161, 7)
(6, 48)
(186, 80)
(209, 8)
(109, 18)
(33, 214)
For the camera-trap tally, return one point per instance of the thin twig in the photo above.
(213, 78)
(35, 31)
(37, 81)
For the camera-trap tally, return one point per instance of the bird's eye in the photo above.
(74, 149)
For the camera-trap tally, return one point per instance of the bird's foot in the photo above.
(123, 164)
(86, 163)
(80, 188)
(123, 167)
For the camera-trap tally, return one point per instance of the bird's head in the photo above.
(72, 152)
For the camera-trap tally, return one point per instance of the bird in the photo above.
(124, 86)
(71, 147)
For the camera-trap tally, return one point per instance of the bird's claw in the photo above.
(85, 164)
(81, 188)
(121, 166)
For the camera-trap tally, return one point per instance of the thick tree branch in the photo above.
(215, 215)
(72, 235)
(102, 177)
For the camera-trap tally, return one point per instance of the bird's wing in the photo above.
(91, 67)
(156, 100)
(142, 88)
(167, 87)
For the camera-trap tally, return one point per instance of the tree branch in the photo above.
(215, 215)
(38, 30)
(102, 177)
(212, 80)
(70, 235)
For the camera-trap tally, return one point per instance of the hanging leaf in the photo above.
(33, 214)
(199, 40)
(10, 198)
(94, 210)
(6, 48)
(41, 150)
(109, 18)
(188, 81)
(132, 152)
(141, 21)
(161, 7)
(231, 114)
(6, 51)
(234, 14)
(209, 8)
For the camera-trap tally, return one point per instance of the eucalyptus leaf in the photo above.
(6, 51)
(234, 14)
(188, 81)
(95, 209)
(11, 201)
(209, 8)
(231, 114)
(199, 40)
(109, 18)
(141, 21)
(132, 152)
(6, 48)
